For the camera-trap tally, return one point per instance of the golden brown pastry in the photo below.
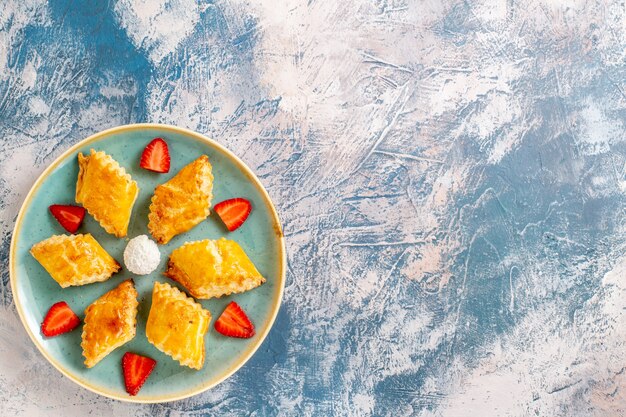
(74, 259)
(106, 191)
(177, 325)
(182, 202)
(213, 268)
(110, 322)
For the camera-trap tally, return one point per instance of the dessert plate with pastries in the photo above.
(147, 263)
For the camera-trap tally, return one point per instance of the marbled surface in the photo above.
(450, 174)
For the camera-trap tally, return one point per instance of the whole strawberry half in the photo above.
(156, 156)
(136, 370)
(70, 217)
(59, 319)
(233, 212)
(234, 323)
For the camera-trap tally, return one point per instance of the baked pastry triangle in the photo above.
(177, 325)
(182, 202)
(213, 268)
(74, 259)
(110, 322)
(106, 191)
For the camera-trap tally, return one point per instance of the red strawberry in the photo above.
(70, 217)
(156, 156)
(136, 369)
(234, 323)
(233, 212)
(59, 319)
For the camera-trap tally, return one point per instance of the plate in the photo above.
(34, 291)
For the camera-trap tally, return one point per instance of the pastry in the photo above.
(74, 259)
(110, 322)
(106, 191)
(182, 202)
(177, 325)
(213, 268)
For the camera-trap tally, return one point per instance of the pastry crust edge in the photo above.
(98, 278)
(131, 321)
(153, 226)
(175, 293)
(82, 161)
(172, 271)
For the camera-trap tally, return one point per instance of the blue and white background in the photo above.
(451, 177)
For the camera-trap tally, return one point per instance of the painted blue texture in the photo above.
(450, 174)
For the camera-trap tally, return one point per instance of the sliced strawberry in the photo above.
(70, 217)
(136, 369)
(156, 156)
(234, 323)
(233, 212)
(59, 319)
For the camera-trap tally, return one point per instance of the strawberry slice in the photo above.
(156, 156)
(234, 323)
(136, 369)
(70, 217)
(233, 212)
(59, 319)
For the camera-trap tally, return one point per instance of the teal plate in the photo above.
(34, 291)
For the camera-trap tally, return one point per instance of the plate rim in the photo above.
(233, 158)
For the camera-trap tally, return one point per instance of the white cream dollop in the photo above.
(141, 255)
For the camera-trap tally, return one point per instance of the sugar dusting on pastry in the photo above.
(141, 255)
